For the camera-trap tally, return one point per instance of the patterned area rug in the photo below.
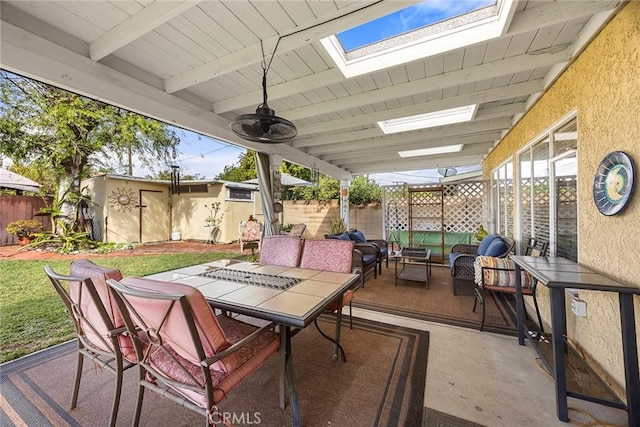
(382, 384)
(433, 418)
(436, 304)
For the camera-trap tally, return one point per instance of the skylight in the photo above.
(409, 19)
(428, 120)
(363, 54)
(431, 151)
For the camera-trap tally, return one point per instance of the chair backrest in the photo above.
(250, 231)
(90, 307)
(328, 254)
(173, 318)
(281, 250)
(298, 230)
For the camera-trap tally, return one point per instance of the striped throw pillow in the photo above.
(499, 277)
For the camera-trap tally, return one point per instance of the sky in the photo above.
(207, 157)
(411, 18)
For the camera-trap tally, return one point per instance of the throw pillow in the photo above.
(496, 248)
(485, 243)
(357, 236)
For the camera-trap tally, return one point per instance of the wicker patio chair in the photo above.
(98, 324)
(498, 275)
(193, 357)
(463, 256)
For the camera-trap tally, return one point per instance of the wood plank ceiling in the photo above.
(197, 64)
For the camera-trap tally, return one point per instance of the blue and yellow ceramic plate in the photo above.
(613, 183)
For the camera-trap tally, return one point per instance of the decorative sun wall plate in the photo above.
(123, 199)
(613, 183)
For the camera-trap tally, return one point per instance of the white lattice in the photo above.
(464, 207)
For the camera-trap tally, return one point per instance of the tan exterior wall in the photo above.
(603, 86)
(125, 223)
(318, 215)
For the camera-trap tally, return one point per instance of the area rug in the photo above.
(433, 418)
(382, 384)
(436, 304)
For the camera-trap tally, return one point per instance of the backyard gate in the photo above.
(410, 221)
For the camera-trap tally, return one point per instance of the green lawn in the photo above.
(32, 315)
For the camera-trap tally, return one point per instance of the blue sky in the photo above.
(402, 21)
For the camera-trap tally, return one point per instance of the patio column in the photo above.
(344, 202)
(265, 165)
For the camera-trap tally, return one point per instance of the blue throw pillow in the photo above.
(484, 244)
(496, 248)
(344, 236)
(357, 236)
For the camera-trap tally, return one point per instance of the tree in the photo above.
(166, 175)
(71, 134)
(244, 170)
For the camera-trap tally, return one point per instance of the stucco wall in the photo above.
(603, 85)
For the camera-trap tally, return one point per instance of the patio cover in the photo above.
(287, 181)
(14, 181)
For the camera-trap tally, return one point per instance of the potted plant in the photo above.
(23, 229)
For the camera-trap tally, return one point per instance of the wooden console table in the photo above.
(559, 274)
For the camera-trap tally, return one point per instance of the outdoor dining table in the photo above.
(288, 296)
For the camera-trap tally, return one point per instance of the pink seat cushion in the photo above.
(248, 359)
(99, 276)
(281, 250)
(174, 330)
(328, 254)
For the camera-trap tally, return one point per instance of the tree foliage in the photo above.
(361, 191)
(243, 170)
(69, 135)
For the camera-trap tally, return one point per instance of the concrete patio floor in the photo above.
(481, 377)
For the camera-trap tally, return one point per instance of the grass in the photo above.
(32, 315)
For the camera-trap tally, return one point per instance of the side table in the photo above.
(415, 264)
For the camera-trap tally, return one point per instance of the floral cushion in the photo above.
(251, 231)
(297, 229)
(499, 278)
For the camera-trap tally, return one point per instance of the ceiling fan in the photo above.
(264, 126)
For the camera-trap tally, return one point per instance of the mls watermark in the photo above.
(236, 418)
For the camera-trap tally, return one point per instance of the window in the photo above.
(239, 194)
(547, 208)
(502, 200)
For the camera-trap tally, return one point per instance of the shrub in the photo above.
(24, 227)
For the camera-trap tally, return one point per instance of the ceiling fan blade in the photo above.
(254, 129)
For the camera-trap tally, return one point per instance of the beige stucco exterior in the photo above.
(153, 215)
(603, 86)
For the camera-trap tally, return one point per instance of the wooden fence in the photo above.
(14, 208)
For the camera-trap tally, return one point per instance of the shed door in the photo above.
(154, 216)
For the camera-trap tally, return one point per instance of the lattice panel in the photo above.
(464, 206)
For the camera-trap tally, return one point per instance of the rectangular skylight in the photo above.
(429, 120)
(431, 151)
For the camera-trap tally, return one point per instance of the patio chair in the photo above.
(331, 255)
(250, 234)
(463, 256)
(298, 230)
(365, 259)
(193, 357)
(97, 321)
(498, 275)
(382, 245)
(281, 250)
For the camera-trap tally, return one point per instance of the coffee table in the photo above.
(415, 264)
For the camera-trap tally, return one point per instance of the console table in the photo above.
(558, 274)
